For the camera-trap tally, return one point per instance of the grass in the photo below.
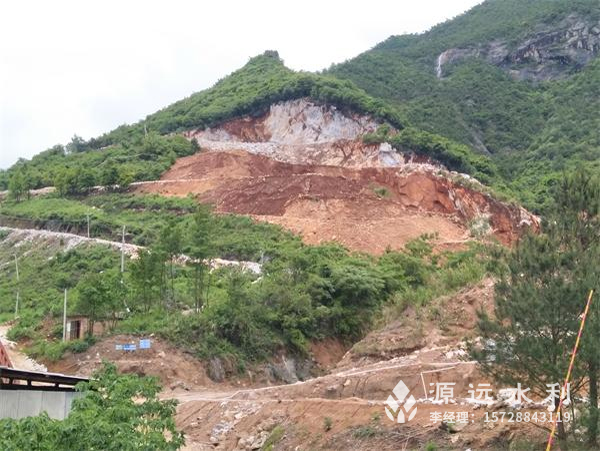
(53, 351)
(305, 292)
(276, 435)
(237, 237)
(443, 276)
(364, 432)
(381, 192)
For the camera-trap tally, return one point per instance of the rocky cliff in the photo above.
(549, 53)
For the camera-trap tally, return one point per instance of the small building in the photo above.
(77, 327)
(29, 393)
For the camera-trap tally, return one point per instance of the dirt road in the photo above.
(18, 359)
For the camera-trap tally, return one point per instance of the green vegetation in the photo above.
(516, 136)
(276, 435)
(364, 432)
(74, 170)
(508, 20)
(533, 132)
(454, 156)
(251, 90)
(54, 350)
(539, 300)
(304, 293)
(144, 150)
(116, 412)
(144, 218)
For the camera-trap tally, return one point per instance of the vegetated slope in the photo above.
(502, 78)
(307, 166)
(126, 153)
(510, 79)
(144, 150)
(345, 408)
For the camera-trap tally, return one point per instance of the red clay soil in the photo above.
(366, 209)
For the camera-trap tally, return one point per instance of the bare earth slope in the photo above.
(345, 409)
(304, 166)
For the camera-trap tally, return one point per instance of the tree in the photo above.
(153, 145)
(116, 412)
(17, 185)
(76, 145)
(85, 180)
(170, 244)
(65, 181)
(577, 219)
(109, 175)
(540, 298)
(99, 297)
(243, 319)
(201, 249)
(126, 177)
(145, 275)
(195, 146)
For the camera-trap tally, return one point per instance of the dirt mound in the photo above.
(367, 209)
(444, 322)
(175, 369)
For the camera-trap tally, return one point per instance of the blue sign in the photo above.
(131, 347)
(145, 344)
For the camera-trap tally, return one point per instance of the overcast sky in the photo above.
(81, 67)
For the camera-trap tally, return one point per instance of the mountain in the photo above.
(349, 224)
(144, 150)
(516, 80)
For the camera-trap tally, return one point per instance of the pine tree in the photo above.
(540, 298)
(577, 219)
(170, 244)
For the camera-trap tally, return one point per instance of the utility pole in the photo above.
(18, 287)
(88, 224)
(123, 253)
(123, 264)
(65, 317)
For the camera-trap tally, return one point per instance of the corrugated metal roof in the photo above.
(14, 377)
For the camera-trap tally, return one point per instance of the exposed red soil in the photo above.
(174, 368)
(367, 209)
(327, 353)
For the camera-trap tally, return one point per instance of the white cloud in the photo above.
(80, 67)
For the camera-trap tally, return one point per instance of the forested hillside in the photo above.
(472, 79)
